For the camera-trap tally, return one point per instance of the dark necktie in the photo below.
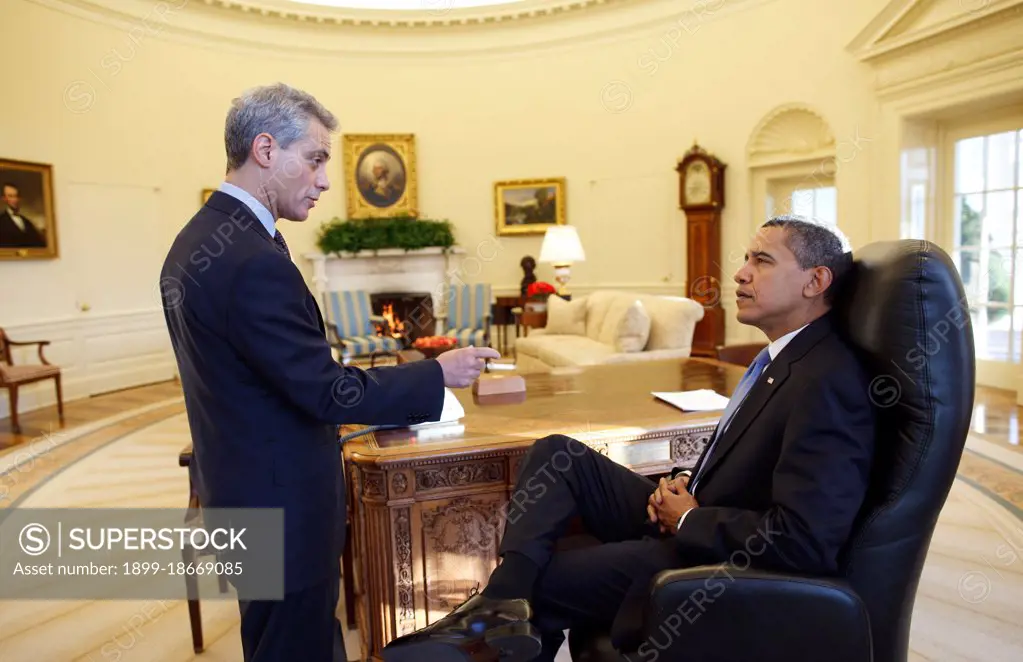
(281, 244)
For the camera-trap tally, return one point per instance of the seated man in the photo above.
(781, 481)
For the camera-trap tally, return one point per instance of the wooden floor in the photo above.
(121, 448)
(87, 410)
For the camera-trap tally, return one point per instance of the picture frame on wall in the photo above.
(529, 206)
(28, 222)
(205, 195)
(380, 174)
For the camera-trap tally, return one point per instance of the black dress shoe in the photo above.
(481, 629)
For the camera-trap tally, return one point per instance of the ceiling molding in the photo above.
(790, 133)
(435, 15)
(209, 24)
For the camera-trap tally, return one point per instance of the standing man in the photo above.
(263, 393)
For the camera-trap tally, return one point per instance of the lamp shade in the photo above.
(561, 245)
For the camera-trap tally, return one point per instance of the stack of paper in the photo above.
(702, 400)
(451, 412)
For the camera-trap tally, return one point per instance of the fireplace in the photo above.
(408, 315)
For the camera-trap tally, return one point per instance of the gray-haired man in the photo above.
(263, 393)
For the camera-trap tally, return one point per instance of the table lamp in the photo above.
(561, 247)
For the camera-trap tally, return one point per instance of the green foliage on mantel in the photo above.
(371, 234)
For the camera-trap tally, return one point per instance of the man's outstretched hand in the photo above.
(669, 501)
(463, 366)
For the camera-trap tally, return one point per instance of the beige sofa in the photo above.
(609, 326)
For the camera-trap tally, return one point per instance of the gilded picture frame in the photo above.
(28, 220)
(529, 206)
(205, 195)
(380, 175)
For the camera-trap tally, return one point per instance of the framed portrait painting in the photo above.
(28, 224)
(380, 175)
(529, 206)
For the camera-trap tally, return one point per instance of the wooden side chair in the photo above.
(739, 354)
(13, 377)
(467, 314)
(351, 325)
(189, 555)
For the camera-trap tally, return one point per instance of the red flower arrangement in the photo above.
(539, 290)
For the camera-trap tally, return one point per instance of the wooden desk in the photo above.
(428, 508)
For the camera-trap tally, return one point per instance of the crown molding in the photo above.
(435, 14)
(247, 25)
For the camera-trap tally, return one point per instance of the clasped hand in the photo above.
(669, 501)
(463, 366)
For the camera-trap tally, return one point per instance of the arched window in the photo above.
(792, 161)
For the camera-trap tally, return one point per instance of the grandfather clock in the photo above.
(702, 197)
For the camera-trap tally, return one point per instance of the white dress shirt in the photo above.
(258, 208)
(773, 350)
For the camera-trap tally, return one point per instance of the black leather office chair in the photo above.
(905, 308)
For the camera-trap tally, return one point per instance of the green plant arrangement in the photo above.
(371, 234)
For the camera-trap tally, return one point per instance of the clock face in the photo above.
(697, 183)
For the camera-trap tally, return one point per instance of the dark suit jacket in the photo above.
(11, 236)
(787, 480)
(263, 394)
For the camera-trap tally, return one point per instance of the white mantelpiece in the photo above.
(386, 270)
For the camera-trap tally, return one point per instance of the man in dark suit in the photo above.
(778, 486)
(263, 393)
(16, 231)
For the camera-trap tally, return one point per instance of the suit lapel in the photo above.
(240, 215)
(769, 383)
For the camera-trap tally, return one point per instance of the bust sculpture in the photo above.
(528, 265)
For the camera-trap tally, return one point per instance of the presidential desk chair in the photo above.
(352, 326)
(904, 308)
(467, 314)
(13, 377)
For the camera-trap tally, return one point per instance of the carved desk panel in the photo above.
(429, 506)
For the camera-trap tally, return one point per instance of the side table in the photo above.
(530, 319)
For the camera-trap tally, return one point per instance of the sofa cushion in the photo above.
(626, 325)
(634, 329)
(560, 351)
(672, 321)
(566, 317)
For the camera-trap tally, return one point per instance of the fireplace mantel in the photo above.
(386, 270)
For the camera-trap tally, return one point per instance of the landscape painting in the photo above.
(529, 206)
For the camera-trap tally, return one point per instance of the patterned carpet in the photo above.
(967, 606)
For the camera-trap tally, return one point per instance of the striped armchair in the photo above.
(351, 324)
(467, 314)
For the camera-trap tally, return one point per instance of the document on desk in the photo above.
(451, 412)
(702, 400)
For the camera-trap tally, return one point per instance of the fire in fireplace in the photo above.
(407, 315)
(395, 326)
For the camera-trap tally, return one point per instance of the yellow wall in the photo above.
(132, 121)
